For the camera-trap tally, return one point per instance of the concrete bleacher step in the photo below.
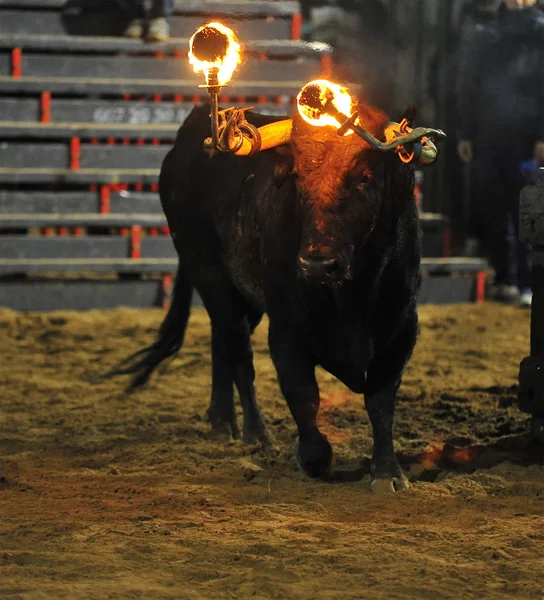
(27, 220)
(436, 239)
(32, 259)
(271, 48)
(89, 220)
(266, 8)
(40, 247)
(99, 118)
(149, 75)
(91, 291)
(79, 284)
(106, 58)
(36, 175)
(19, 210)
(104, 262)
(40, 131)
(89, 86)
(101, 265)
(453, 280)
(42, 155)
(16, 202)
(252, 20)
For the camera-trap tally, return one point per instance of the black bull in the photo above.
(322, 235)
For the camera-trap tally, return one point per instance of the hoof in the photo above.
(221, 427)
(382, 487)
(256, 436)
(225, 432)
(315, 458)
(538, 428)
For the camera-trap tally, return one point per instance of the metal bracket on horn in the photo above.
(231, 126)
(237, 136)
(411, 145)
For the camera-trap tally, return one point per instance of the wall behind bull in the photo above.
(422, 32)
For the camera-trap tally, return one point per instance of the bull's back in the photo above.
(214, 204)
(192, 171)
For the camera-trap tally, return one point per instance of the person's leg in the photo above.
(525, 273)
(135, 26)
(161, 9)
(486, 193)
(493, 176)
(511, 250)
(517, 255)
(522, 251)
(159, 27)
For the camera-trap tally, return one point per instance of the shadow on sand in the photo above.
(455, 455)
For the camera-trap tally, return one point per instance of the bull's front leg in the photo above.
(296, 374)
(384, 375)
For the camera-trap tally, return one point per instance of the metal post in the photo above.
(531, 373)
(213, 89)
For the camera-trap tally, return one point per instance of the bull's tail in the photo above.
(170, 339)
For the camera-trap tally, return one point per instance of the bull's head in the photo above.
(343, 185)
(341, 179)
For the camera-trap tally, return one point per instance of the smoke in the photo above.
(365, 47)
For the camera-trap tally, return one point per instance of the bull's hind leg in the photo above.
(296, 374)
(232, 320)
(221, 412)
(384, 375)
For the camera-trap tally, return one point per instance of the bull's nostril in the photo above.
(331, 266)
(319, 268)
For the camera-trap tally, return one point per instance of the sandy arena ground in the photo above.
(104, 495)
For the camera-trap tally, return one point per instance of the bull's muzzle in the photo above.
(321, 269)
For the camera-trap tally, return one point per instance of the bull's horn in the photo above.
(394, 138)
(397, 135)
(271, 135)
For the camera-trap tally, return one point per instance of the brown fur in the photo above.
(323, 158)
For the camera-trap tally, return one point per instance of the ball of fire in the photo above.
(314, 98)
(215, 52)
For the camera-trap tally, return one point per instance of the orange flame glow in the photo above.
(312, 98)
(214, 46)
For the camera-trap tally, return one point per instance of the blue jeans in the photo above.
(159, 8)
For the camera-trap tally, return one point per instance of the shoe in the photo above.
(508, 294)
(135, 29)
(159, 30)
(526, 298)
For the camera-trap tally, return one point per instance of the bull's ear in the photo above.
(283, 169)
(410, 115)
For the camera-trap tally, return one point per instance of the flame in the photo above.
(312, 99)
(214, 46)
(463, 455)
(431, 455)
(328, 403)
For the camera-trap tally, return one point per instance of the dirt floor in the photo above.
(104, 495)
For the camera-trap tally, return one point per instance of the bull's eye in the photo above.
(363, 182)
